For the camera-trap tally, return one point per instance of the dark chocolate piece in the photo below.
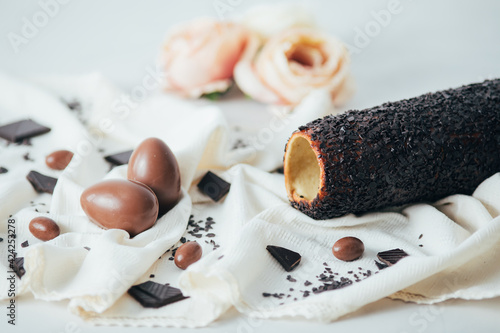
(415, 150)
(25, 244)
(74, 105)
(41, 183)
(380, 265)
(119, 158)
(213, 186)
(287, 258)
(18, 266)
(154, 295)
(3, 170)
(391, 257)
(23, 129)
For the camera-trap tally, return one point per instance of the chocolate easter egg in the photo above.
(153, 163)
(121, 204)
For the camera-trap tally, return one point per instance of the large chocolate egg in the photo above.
(121, 204)
(153, 163)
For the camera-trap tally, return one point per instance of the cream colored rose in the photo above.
(270, 19)
(199, 56)
(293, 63)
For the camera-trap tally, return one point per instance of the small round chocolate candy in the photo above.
(44, 228)
(59, 159)
(348, 248)
(187, 254)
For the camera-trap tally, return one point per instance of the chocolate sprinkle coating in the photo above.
(213, 186)
(23, 129)
(41, 183)
(391, 257)
(155, 295)
(287, 258)
(415, 150)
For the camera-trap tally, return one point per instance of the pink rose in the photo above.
(199, 57)
(291, 64)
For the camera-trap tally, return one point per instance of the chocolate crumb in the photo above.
(86, 248)
(420, 237)
(27, 157)
(25, 244)
(3, 170)
(290, 278)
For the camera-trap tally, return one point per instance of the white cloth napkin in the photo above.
(453, 245)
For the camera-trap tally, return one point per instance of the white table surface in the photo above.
(427, 46)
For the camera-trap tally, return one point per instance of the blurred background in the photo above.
(423, 46)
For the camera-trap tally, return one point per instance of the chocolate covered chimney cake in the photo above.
(419, 149)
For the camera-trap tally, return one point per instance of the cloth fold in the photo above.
(453, 244)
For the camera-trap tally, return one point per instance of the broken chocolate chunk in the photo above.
(23, 129)
(287, 258)
(154, 295)
(25, 244)
(380, 265)
(391, 257)
(41, 183)
(119, 158)
(3, 170)
(18, 266)
(213, 186)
